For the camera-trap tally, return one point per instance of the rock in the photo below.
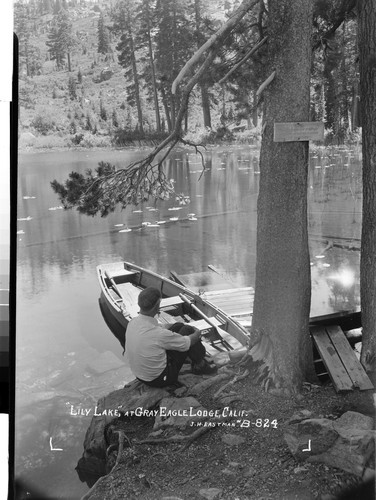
(228, 472)
(319, 432)
(104, 362)
(180, 391)
(210, 493)
(250, 472)
(233, 439)
(369, 474)
(178, 413)
(134, 396)
(353, 420)
(346, 443)
(350, 452)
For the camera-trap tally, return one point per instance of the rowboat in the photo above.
(121, 283)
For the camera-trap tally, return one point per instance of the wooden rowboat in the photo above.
(121, 283)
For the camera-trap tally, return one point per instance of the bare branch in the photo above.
(263, 86)
(247, 56)
(216, 38)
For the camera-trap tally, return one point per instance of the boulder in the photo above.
(347, 443)
(134, 396)
(315, 433)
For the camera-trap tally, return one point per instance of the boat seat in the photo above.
(120, 273)
(171, 301)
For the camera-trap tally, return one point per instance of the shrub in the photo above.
(43, 124)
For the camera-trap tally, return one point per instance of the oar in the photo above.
(207, 319)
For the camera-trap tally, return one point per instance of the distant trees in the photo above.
(103, 36)
(124, 26)
(61, 39)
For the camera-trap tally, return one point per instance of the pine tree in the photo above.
(103, 37)
(72, 89)
(61, 39)
(102, 111)
(175, 45)
(124, 25)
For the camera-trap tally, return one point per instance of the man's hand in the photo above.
(195, 336)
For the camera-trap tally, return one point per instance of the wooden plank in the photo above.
(171, 301)
(350, 361)
(332, 362)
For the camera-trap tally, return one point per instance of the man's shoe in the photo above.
(204, 368)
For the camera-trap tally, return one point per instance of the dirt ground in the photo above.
(259, 467)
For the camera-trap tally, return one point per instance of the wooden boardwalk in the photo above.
(342, 365)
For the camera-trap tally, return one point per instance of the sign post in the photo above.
(298, 131)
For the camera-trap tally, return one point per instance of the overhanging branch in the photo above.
(242, 61)
(216, 38)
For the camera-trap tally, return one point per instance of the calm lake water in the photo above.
(63, 346)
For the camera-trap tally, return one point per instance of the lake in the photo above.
(61, 336)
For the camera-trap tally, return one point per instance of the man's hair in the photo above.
(148, 298)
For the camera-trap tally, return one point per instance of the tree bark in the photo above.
(282, 290)
(367, 66)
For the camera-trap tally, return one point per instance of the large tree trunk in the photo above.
(367, 65)
(283, 290)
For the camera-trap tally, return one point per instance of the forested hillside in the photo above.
(100, 73)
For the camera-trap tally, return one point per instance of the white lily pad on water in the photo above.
(118, 225)
(174, 218)
(125, 230)
(29, 197)
(320, 256)
(137, 211)
(145, 223)
(25, 218)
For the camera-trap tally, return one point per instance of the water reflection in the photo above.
(61, 335)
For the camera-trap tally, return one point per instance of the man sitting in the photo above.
(156, 354)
